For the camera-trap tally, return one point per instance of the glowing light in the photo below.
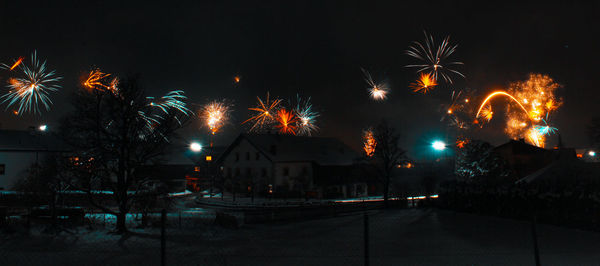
(286, 122)
(438, 145)
(461, 142)
(592, 153)
(236, 79)
(377, 91)
(306, 117)
(208, 158)
(424, 84)
(369, 143)
(33, 88)
(195, 147)
(434, 58)
(265, 111)
(43, 128)
(530, 120)
(215, 115)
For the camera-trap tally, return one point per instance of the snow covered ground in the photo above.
(398, 237)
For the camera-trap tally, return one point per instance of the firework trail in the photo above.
(17, 63)
(536, 101)
(215, 115)
(32, 88)
(434, 58)
(369, 143)
(266, 111)
(377, 91)
(173, 100)
(286, 122)
(306, 117)
(424, 84)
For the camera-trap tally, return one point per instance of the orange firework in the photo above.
(286, 122)
(266, 111)
(461, 142)
(536, 100)
(369, 143)
(424, 84)
(17, 63)
(98, 80)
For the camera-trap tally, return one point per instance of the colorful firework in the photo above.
(215, 115)
(369, 143)
(266, 111)
(536, 100)
(424, 84)
(286, 122)
(306, 117)
(377, 91)
(461, 142)
(32, 88)
(99, 81)
(173, 100)
(434, 58)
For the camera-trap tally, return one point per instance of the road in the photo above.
(397, 237)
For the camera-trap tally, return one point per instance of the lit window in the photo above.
(2, 167)
(208, 158)
(196, 168)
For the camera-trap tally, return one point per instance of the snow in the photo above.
(397, 237)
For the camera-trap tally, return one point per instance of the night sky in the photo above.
(315, 49)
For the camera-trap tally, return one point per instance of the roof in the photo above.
(288, 148)
(29, 140)
(520, 147)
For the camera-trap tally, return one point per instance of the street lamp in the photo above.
(43, 128)
(592, 153)
(438, 145)
(195, 147)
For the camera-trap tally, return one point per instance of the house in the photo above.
(20, 149)
(524, 159)
(295, 166)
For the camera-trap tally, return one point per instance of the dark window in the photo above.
(228, 172)
(248, 172)
(247, 156)
(273, 149)
(263, 172)
(2, 167)
(286, 171)
(237, 156)
(257, 156)
(237, 172)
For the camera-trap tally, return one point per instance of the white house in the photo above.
(307, 166)
(19, 149)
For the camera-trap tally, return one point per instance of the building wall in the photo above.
(288, 173)
(244, 159)
(16, 164)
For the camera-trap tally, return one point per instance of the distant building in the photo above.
(588, 155)
(271, 164)
(20, 149)
(525, 159)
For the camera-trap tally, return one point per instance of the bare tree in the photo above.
(114, 131)
(388, 154)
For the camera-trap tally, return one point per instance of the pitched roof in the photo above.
(24, 140)
(288, 148)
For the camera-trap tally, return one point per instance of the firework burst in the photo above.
(306, 117)
(173, 100)
(536, 100)
(99, 81)
(434, 58)
(369, 143)
(32, 88)
(286, 122)
(265, 113)
(424, 84)
(215, 115)
(377, 91)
